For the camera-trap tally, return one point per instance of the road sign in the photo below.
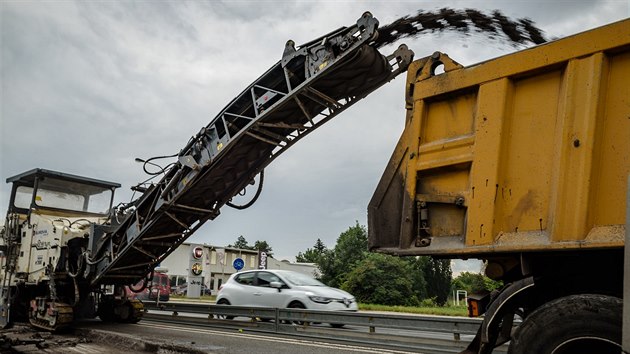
(238, 264)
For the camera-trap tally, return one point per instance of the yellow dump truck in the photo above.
(521, 161)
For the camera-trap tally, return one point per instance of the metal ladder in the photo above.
(11, 239)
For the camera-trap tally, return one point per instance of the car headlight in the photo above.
(320, 299)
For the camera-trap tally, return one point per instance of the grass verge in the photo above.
(424, 310)
(202, 298)
(433, 310)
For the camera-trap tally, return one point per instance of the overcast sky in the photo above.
(86, 87)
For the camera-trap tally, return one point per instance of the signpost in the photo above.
(238, 264)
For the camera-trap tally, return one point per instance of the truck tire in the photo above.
(574, 324)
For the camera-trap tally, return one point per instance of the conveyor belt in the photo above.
(307, 87)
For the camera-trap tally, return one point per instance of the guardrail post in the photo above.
(456, 336)
(277, 322)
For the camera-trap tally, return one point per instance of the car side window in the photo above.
(265, 278)
(245, 278)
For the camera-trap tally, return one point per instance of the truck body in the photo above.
(159, 291)
(521, 161)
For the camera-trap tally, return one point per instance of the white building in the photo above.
(218, 264)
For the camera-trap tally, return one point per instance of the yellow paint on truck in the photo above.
(527, 152)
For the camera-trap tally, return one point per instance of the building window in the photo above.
(252, 262)
(213, 257)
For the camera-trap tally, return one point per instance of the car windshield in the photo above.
(299, 279)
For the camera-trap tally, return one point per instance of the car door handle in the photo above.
(257, 294)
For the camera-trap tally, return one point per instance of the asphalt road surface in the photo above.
(182, 338)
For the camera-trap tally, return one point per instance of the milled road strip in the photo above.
(303, 342)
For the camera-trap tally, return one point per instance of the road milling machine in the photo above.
(67, 254)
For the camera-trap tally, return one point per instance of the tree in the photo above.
(438, 276)
(474, 283)
(382, 279)
(470, 282)
(351, 247)
(263, 246)
(312, 255)
(241, 243)
(417, 274)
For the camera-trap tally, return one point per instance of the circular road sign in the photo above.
(238, 264)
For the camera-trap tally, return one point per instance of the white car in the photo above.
(283, 289)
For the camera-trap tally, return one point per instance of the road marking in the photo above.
(85, 349)
(303, 342)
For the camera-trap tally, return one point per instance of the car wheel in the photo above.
(298, 305)
(223, 317)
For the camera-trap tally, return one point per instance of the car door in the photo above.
(267, 296)
(242, 292)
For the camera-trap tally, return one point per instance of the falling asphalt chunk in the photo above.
(520, 31)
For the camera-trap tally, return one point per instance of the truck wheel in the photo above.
(106, 311)
(576, 324)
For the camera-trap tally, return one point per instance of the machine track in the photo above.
(55, 316)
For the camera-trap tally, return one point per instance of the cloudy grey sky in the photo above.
(88, 86)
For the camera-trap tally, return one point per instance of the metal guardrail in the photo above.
(400, 330)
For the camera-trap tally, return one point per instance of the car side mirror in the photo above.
(277, 285)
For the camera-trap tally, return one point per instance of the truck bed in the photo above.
(526, 152)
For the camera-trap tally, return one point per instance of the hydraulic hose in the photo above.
(251, 202)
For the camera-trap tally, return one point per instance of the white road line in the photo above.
(277, 340)
(83, 349)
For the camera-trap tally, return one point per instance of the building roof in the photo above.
(222, 247)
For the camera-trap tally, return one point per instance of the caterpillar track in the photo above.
(50, 316)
